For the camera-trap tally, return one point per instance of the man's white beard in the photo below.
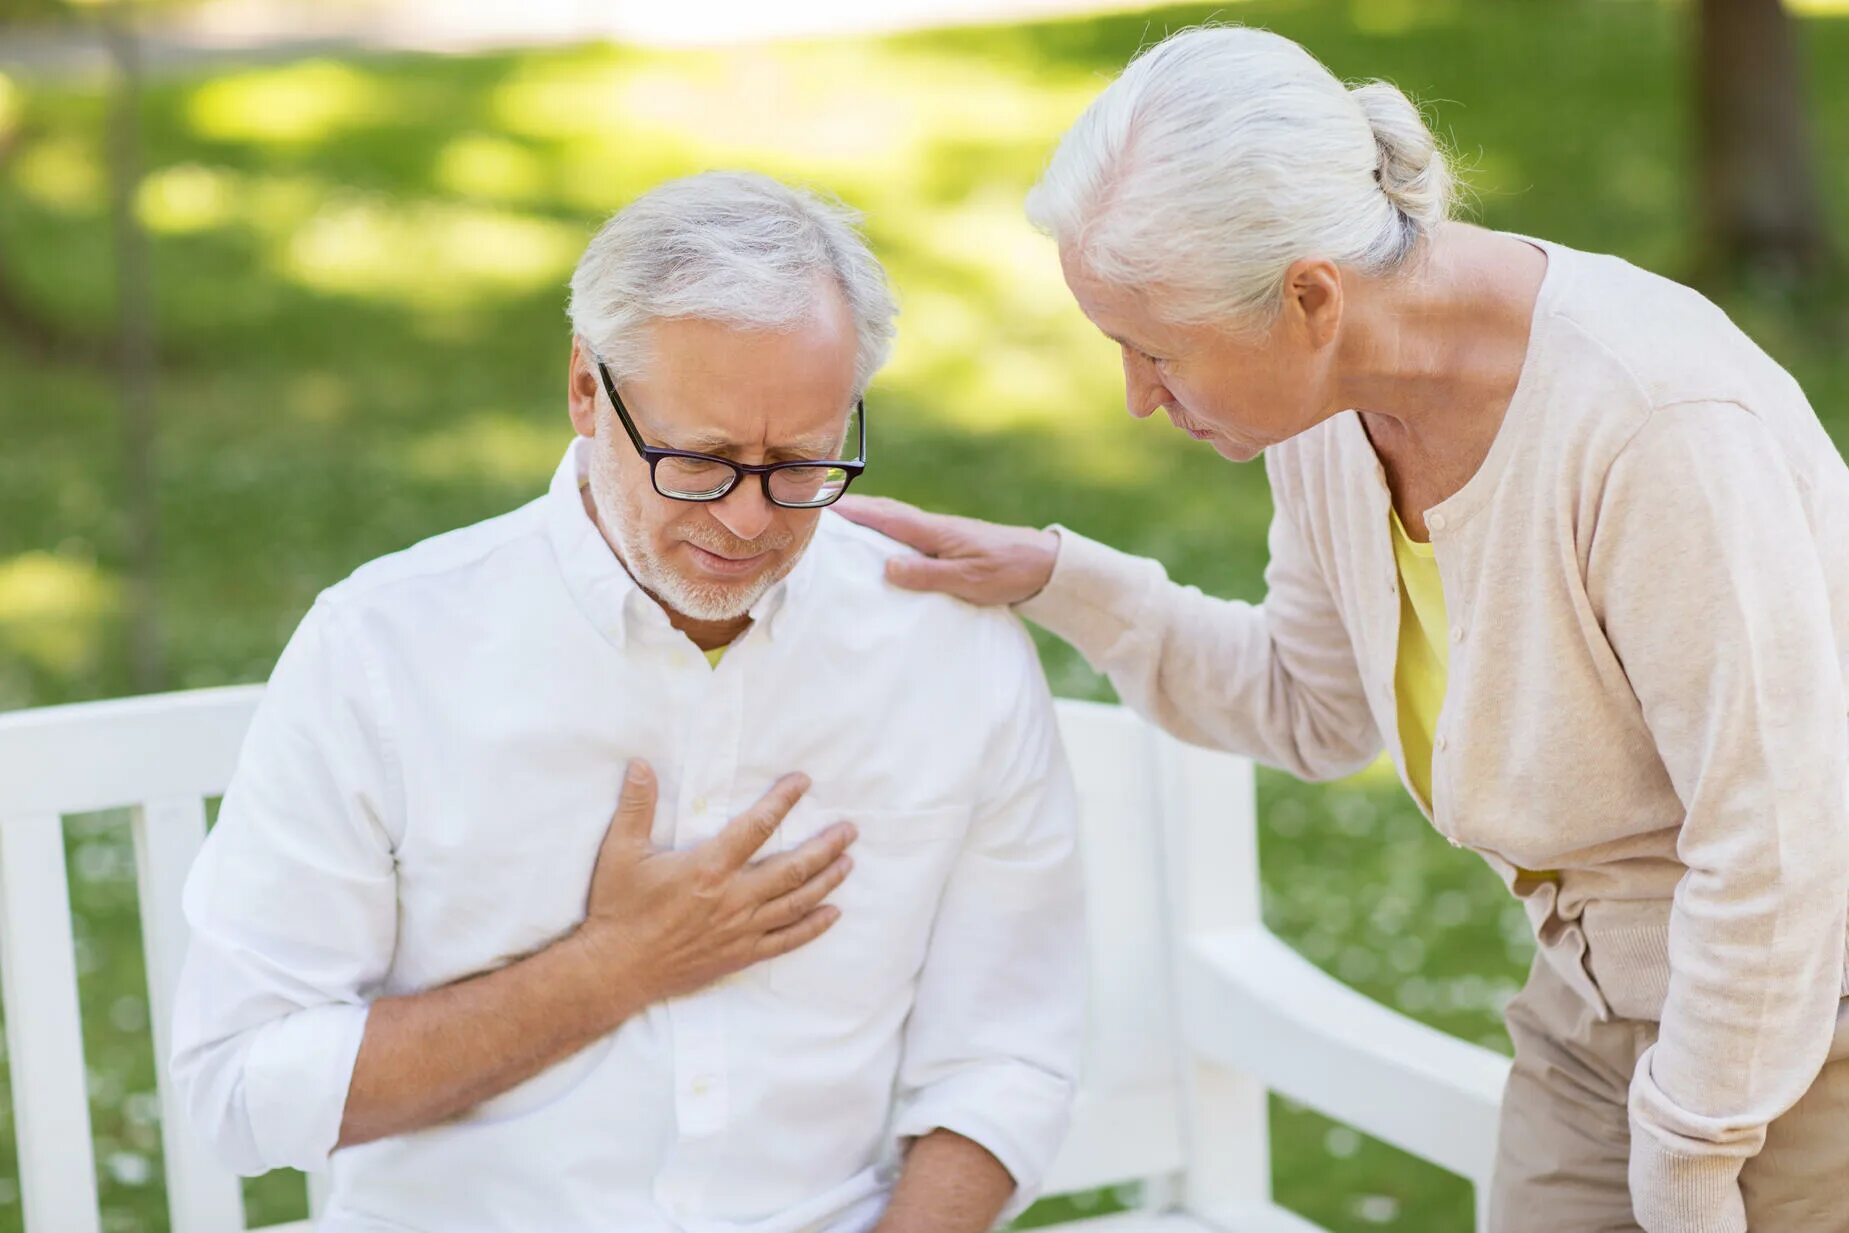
(699, 600)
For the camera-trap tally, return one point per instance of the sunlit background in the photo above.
(360, 217)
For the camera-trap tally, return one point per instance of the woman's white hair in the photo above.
(733, 247)
(1224, 154)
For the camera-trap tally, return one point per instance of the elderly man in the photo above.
(426, 958)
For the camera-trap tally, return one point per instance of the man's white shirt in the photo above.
(422, 797)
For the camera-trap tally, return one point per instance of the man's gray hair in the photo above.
(733, 247)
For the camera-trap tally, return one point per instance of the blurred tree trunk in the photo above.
(42, 336)
(134, 359)
(1759, 203)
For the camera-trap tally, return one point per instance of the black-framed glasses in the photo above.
(684, 475)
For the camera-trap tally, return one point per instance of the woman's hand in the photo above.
(981, 562)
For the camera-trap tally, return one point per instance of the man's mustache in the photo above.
(731, 546)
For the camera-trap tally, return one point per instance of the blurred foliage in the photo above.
(359, 264)
(34, 15)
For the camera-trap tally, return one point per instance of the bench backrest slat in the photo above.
(1127, 1120)
(202, 1196)
(44, 1036)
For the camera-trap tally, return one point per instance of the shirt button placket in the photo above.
(701, 1089)
(700, 1094)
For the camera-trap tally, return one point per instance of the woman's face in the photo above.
(1240, 394)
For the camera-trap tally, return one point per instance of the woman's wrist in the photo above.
(1042, 558)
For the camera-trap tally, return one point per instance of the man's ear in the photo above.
(581, 389)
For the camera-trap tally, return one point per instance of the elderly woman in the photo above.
(1551, 529)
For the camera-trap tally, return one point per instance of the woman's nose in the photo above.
(1144, 393)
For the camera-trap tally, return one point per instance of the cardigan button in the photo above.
(1435, 522)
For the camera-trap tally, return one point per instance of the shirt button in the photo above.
(1454, 843)
(1435, 521)
(702, 1085)
(1457, 635)
(1444, 742)
(699, 804)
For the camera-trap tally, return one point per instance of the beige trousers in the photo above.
(1564, 1147)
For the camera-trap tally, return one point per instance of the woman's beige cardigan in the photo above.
(1647, 583)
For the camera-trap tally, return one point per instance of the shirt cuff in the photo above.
(1094, 596)
(296, 1077)
(1018, 1114)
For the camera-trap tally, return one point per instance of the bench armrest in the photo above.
(1251, 1004)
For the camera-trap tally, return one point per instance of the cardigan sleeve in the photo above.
(1276, 681)
(1708, 583)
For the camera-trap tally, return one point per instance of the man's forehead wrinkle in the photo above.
(710, 441)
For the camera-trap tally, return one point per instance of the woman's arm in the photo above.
(1276, 681)
(1710, 586)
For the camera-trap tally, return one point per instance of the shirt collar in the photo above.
(603, 589)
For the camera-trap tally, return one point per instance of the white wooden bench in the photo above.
(1197, 1009)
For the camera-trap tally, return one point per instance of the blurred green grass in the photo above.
(359, 265)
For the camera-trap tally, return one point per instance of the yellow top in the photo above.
(1424, 661)
(713, 656)
(1419, 673)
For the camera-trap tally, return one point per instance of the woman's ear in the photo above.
(1313, 299)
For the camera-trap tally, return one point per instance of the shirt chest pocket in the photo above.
(902, 859)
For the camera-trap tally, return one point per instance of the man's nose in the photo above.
(745, 511)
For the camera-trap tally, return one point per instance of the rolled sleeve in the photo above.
(291, 910)
(1019, 1114)
(992, 1046)
(296, 1076)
